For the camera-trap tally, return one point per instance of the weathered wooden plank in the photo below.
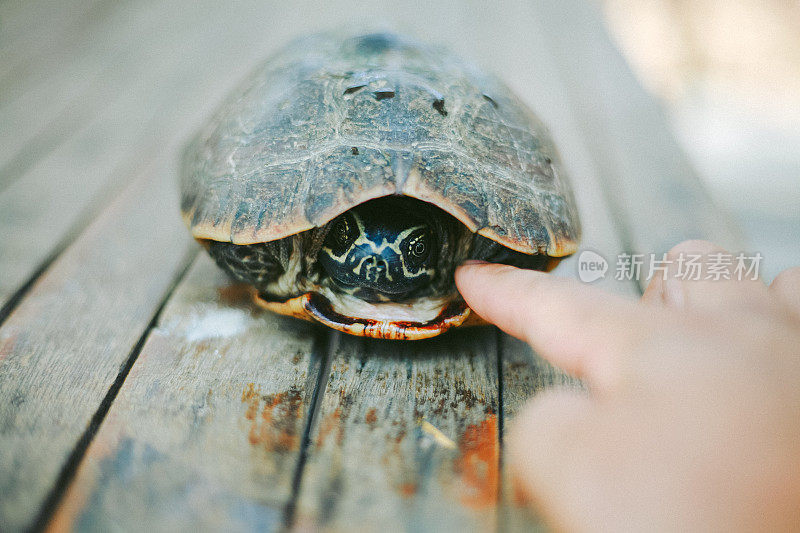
(106, 69)
(62, 41)
(205, 434)
(43, 209)
(406, 437)
(64, 346)
(171, 93)
(40, 105)
(21, 21)
(32, 30)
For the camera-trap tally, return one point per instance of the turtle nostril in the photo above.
(378, 264)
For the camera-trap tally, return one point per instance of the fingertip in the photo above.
(475, 267)
(482, 282)
(467, 276)
(466, 270)
(492, 291)
(469, 262)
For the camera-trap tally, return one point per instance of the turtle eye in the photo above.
(341, 234)
(342, 231)
(418, 249)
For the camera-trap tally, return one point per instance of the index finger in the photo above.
(576, 327)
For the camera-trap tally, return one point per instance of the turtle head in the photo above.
(383, 250)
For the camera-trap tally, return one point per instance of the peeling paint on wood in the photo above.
(479, 464)
(390, 469)
(205, 432)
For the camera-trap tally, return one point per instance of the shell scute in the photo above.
(342, 179)
(278, 158)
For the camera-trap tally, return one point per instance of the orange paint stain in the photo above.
(252, 397)
(408, 489)
(278, 427)
(479, 464)
(7, 346)
(372, 417)
(331, 422)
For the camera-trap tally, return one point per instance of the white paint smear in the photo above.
(217, 323)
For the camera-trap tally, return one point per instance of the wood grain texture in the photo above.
(206, 432)
(406, 437)
(30, 31)
(63, 347)
(47, 92)
(168, 97)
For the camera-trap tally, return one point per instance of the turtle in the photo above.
(349, 175)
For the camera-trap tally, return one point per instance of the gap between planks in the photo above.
(41, 349)
(407, 434)
(73, 461)
(326, 345)
(240, 394)
(116, 184)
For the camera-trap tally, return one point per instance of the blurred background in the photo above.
(728, 75)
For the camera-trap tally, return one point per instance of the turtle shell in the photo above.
(330, 122)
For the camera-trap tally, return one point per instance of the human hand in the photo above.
(692, 421)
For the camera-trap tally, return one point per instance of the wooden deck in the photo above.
(139, 390)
